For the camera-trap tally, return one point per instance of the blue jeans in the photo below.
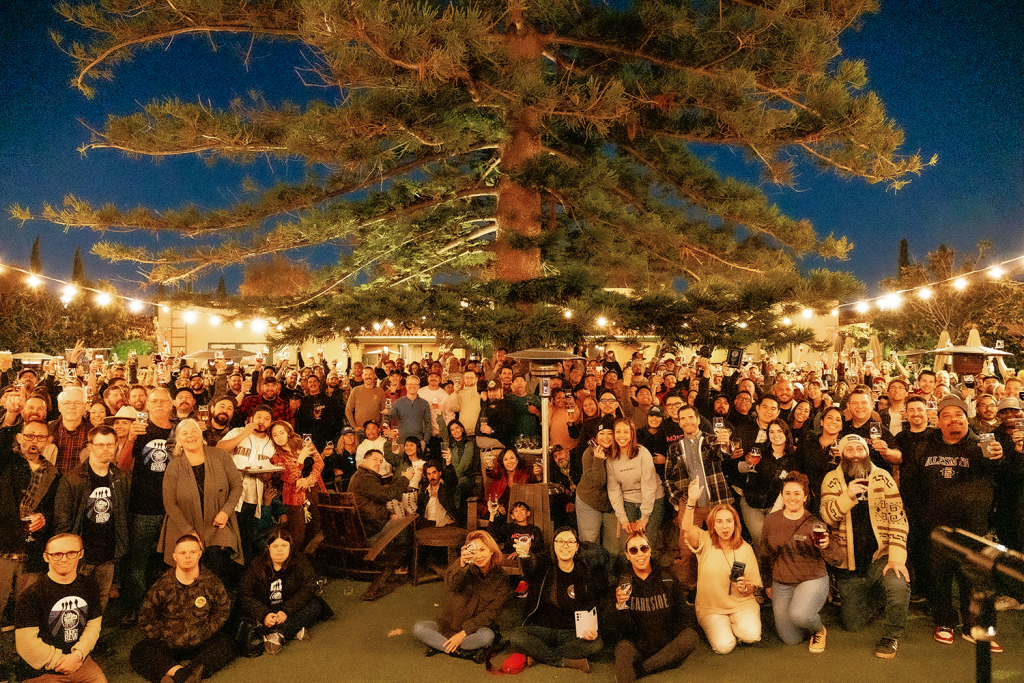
(855, 589)
(597, 526)
(753, 520)
(797, 608)
(427, 632)
(653, 522)
(138, 563)
(552, 645)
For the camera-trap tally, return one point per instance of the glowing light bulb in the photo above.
(135, 306)
(960, 283)
(103, 299)
(70, 291)
(215, 320)
(602, 321)
(33, 281)
(995, 271)
(238, 323)
(567, 314)
(808, 313)
(189, 317)
(258, 325)
(787, 321)
(835, 312)
(861, 307)
(925, 293)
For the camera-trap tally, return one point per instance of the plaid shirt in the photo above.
(280, 407)
(69, 444)
(677, 478)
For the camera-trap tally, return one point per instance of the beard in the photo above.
(856, 469)
(221, 418)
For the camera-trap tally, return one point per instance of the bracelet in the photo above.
(690, 507)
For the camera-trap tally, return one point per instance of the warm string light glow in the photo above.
(893, 300)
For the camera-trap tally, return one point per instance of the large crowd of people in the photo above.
(683, 495)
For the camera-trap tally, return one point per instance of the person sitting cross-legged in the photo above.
(182, 617)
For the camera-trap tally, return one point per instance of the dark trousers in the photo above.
(552, 645)
(307, 615)
(152, 658)
(247, 529)
(631, 663)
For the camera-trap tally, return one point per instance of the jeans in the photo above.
(307, 615)
(753, 520)
(138, 563)
(552, 645)
(103, 576)
(427, 632)
(152, 658)
(597, 527)
(653, 522)
(855, 589)
(798, 608)
(630, 662)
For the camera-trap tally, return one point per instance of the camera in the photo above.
(738, 568)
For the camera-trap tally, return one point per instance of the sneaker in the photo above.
(886, 648)
(522, 590)
(272, 643)
(995, 647)
(818, 641)
(1005, 603)
(944, 635)
(303, 634)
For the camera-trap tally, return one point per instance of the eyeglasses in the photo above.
(673, 405)
(73, 404)
(634, 549)
(35, 437)
(565, 544)
(608, 400)
(57, 557)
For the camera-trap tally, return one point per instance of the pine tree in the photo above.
(222, 290)
(35, 263)
(78, 268)
(491, 142)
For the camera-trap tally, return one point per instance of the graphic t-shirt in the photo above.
(60, 611)
(98, 525)
(152, 453)
(252, 451)
(276, 591)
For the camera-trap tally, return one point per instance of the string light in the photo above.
(33, 280)
(135, 306)
(925, 293)
(960, 283)
(602, 321)
(215, 320)
(103, 299)
(808, 313)
(996, 272)
(567, 314)
(189, 317)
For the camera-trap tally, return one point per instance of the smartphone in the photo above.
(545, 387)
(738, 569)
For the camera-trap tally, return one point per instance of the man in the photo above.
(784, 392)
(985, 421)
(436, 501)
(694, 457)
(372, 494)
(951, 482)
(268, 396)
(316, 415)
(291, 388)
(756, 431)
(365, 402)
(926, 381)
(222, 415)
(92, 503)
(525, 408)
(884, 452)
(114, 398)
(374, 440)
(251, 447)
(505, 377)
(184, 406)
(916, 427)
(21, 410)
(437, 397)
(1008, 518)
(146, 454)
(70, 432)
(183, 618)
(466, 402)
(137, 397)
(412, 413)
(874, 538)
(893, 418)
(28, 487)
(58, 619)
(741, 409)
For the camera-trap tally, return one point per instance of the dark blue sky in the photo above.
(951, 76)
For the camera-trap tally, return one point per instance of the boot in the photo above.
(578, 664)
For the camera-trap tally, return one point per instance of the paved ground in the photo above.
(372, 642)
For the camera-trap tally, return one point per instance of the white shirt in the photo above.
(374, 444)
(252, 451)
(428, 395)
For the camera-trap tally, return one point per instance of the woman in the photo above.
(97, 413)
(650, 615)
(509, 470)
(464, 460)
(278, 592)
(302, 473)
(201, 488)
(801, 423)
(727, 574)
(475, 593)
(762, 482)
(559, 588)
(595, 516)
(796, 577)
(634, 487)
(819, 453)
(563, 416)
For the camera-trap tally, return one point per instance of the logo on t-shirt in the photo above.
(68, 615)
(275, 592)
(155, 455)
(100, 504)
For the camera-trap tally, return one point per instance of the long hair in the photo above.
(789, 447)
(632, 449)
(737, 540)
(263, 565)
(520, 465)
(463, 437)
(419, 448)
(496, 555)
(294, 443)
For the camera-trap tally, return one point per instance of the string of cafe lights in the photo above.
(70, 290)
(894, 300)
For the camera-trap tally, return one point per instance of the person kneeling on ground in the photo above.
(476, 592)
(279, 593)
(182, 617)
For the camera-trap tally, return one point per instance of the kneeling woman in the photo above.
(561, 588)
(726, 575)
(651, 616)
(476, 591)
(279, 593)
(797, 578)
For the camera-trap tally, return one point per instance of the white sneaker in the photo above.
(272, 643)
(303, 634)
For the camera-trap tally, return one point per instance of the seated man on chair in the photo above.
(436, 501)
(372, 494)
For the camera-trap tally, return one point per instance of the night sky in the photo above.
(950, 75)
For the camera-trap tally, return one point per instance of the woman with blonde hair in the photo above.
(475, 592)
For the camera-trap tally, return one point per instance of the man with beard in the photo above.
(269, 396)
(436, 501)
(884, 452)
(138, 396)
(894, 418)
(150, 444)
(221, 417)
(92, 502)
(251, 447)
(874, 538)
(316, 415)
(28, 487)
(20, 410)
(926, 381)
(184, 406)
(365, 402)
(114, 398)
(374, 441)
(951, 482)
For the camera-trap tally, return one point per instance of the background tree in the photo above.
(35, 263)
(78, 269)
(545, 143)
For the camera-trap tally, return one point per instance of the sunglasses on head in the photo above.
(634, 549)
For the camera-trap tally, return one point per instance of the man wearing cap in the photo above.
(340, 465)
(251, 447)
(864, 511)
(950, 481)
(884, 451)
(222, 415)
(184, 406)
(500, 418)
(894, 418)
(985, 420)
(269, 396)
